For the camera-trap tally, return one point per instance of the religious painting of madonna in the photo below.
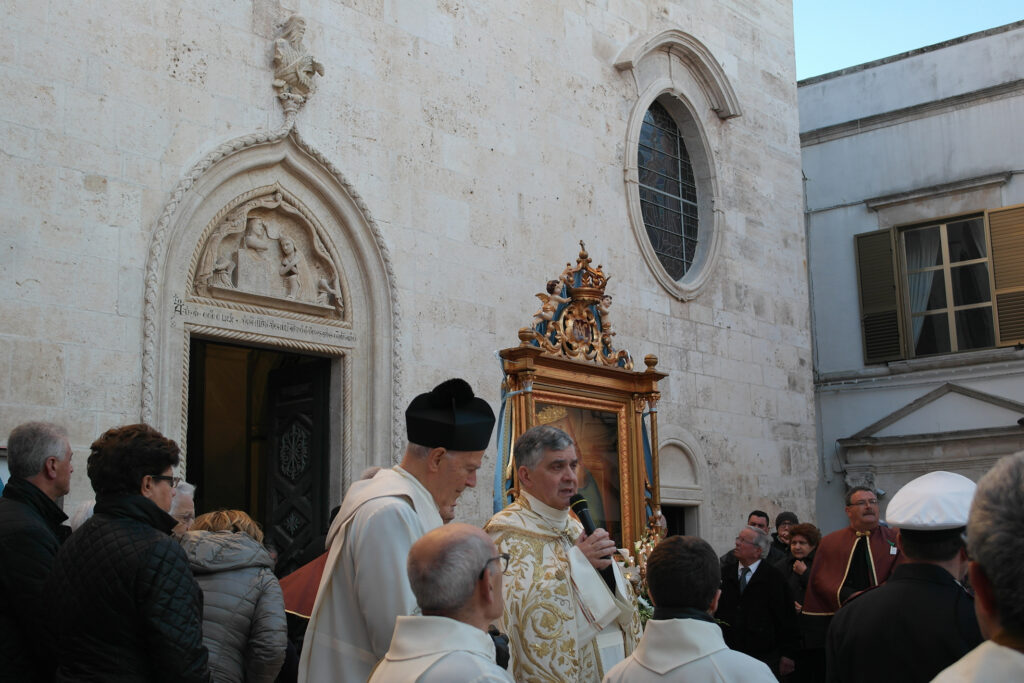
(598, 432)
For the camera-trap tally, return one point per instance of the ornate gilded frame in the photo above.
(547, 369)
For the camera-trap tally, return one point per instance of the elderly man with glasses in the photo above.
(456, 574)
(756, 608)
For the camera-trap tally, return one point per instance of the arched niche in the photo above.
(264, 243)
(679, 72)
(683, 474)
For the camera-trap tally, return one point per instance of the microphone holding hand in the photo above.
(595, 543)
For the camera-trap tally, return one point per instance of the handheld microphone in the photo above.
(579, 505)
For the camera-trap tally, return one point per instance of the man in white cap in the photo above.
(922, 619)
(364, 586)
(995, 540)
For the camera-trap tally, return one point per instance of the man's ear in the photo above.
(981, 586)
(524, 474)
(50, 468)
(713, 607)
(434, 458)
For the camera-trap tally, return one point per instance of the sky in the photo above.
(835, 34)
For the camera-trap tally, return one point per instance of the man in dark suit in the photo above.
(756, 608)
(921, 620)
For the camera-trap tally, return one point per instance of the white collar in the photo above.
(753, 568)
(668, 643)
(558, 519)
(419, 636)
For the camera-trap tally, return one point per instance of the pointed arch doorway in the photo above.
(266, 267)
(257, 441)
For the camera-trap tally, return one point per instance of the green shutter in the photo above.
(1006, 228)
(879, 301)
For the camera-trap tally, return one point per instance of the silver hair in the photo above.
(531, 446)
(184, 491)
(995, 536)
(445, 581)
(31, 444)
(762, 540)
(417, 451)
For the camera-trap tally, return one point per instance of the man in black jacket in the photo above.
(921, 620)
(39, 458)
(129, 607)
(755, 607)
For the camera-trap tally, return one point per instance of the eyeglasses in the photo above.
(504, 557)
(864, 503)
(173, 481)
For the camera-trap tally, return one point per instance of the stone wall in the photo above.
(486, 139)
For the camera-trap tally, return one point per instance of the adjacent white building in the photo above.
(915, 232)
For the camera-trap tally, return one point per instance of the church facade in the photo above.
(264, 228)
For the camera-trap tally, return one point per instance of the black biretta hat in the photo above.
(451, 417)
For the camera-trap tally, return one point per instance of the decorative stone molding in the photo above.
(684, 472)
(340, 300)
(695, 57)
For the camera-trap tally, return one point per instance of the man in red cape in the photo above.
(845, 564)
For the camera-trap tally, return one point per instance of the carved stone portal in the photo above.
(266, 252)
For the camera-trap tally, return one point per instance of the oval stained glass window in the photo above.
(668, 192)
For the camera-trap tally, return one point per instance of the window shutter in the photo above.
(879, 303)
(1006, 228)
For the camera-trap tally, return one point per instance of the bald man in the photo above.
(455, 572)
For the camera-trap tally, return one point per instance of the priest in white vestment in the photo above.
(682, 642)
(364, 587)
(569, 613)
(455, 572)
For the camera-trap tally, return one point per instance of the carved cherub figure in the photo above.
(549, 302)
(604, 309)
(294, 67)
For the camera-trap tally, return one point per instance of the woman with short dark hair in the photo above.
(126, 605)
(809, 660)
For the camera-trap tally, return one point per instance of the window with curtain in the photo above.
(668, 192)
(949, 287)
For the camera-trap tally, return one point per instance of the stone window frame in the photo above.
(679, 72)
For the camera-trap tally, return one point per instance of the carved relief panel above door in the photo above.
(265, 250)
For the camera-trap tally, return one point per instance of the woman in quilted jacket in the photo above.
(244, 623)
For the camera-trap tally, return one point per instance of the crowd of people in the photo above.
(139, 588)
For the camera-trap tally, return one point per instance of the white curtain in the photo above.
(921, 255)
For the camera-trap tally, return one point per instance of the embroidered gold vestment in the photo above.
(559, 614)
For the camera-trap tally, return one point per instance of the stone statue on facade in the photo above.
(294, 67)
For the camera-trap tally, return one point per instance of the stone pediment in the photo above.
(264, 250)
(947, 409)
